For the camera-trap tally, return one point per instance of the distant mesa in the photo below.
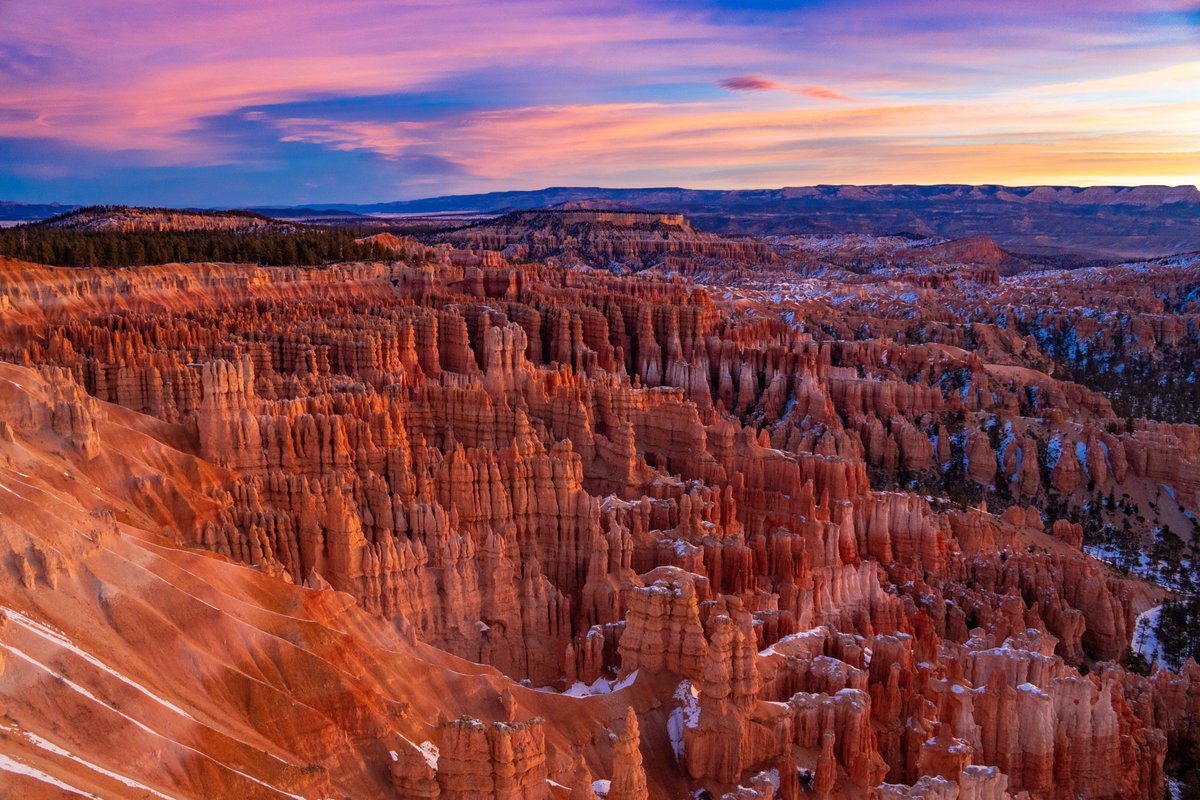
(127, 219)
(632, 239)
(593, 205)
(613, 217)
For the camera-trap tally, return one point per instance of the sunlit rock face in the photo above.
(457, 527)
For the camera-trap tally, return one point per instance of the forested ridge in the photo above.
(286, 244)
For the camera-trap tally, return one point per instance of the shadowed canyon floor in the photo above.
(813, 520)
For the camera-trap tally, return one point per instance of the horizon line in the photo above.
(567, 187)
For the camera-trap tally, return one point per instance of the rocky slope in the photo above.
(451, 527)
(132, 667)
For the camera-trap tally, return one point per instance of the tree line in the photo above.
(74, 248)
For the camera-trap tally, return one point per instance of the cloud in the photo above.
(757, 83)
(748, 83)
(821, 93)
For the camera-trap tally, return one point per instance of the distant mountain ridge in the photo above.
(676, 197)
(27, 212)
(1103, 222)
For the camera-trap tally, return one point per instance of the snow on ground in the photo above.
(1145, 641)
(1146, 567)
(817, 632)
(598, 686)
(1054, 451)
(771, 775)
(684, 715)
(428, 750)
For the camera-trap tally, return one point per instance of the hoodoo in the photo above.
(430, 529)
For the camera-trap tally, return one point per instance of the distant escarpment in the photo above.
(1107, 222)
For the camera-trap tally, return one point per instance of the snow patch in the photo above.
(430, 753)
(685, 715)
(598, 686)
(1145, 640)
(771, 775)
(1054, 451)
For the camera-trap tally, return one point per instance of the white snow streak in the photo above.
(8, 764)
(62, 641)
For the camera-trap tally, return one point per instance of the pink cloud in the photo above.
(821, 93)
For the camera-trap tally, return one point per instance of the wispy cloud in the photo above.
(708, 143)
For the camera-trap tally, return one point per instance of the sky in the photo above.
(237, 102)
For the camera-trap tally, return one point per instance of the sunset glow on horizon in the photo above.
(212, 103)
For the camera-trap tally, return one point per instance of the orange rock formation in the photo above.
(430, 529)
